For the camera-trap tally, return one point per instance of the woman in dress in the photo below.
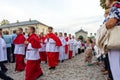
(112, 20)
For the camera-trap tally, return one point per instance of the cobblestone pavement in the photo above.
(74, 69)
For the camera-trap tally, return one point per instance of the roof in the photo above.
(81, 30)
(23, 23)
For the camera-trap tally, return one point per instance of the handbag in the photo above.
(113, 40)
(101, 36)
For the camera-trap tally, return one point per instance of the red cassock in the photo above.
(70, 48)
(19, 52)
(70, 54)
(43, 55)
(66, 46)
(54, 42)
(33, 69)
(57, 57)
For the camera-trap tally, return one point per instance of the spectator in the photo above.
(8, 41)
(13, 46)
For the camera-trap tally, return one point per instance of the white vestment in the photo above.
(70, 43)
(66, 54)
(78, 45)
(50, 45)
(62, 48)
(74, 47)
(19, 49)
(43, 47)
(32, 53)
(3, 53)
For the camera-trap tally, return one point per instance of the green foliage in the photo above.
(102, 4)
(4, 22)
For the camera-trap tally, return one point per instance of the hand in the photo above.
(26, 42)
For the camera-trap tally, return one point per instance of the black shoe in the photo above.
(5, 70)
(52, 68)
(62, 61)
(45, 62)
(8, 78)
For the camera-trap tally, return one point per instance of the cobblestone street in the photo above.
(74, 69)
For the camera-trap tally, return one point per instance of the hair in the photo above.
(50, 28)
(42, 33)
(20, 29)
(60, 33)
(5, 32)
(32, 28)
(90, 40)
(0, 29)
(56, 33)
(65, 33)
(14, 31)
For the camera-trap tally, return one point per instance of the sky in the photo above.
(64, 15)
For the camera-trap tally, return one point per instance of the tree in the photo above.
(102, 4)
(4, 22)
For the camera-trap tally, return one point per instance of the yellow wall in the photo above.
(39, 28)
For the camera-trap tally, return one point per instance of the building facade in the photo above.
(82, 33)
(40, 27)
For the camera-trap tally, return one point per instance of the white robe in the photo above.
(66, 54)
(70, 43)
(19, 49)
(32, 53)
(74, 47)
(3, 53)
(78, 45)
(62, 48)
(43, 47)
(50, 45)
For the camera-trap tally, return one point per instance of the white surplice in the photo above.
(50, 45)
(62, 48)
(70, 43)
(74, 47)
(19, 49)
(77, 46)
(32, 53)
(3, 53)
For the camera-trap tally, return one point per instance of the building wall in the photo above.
(81, 34)
(39, 28)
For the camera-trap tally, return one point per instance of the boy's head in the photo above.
(19, 31)
(31, 29)
(60, 34)
(50, 29)
(65, 34)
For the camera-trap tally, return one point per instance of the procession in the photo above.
(59, 49)
(52, 48)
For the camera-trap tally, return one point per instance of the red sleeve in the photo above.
(34, 40)
(20, 39)
(55, 38)
(58, 42)
(35, 43)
